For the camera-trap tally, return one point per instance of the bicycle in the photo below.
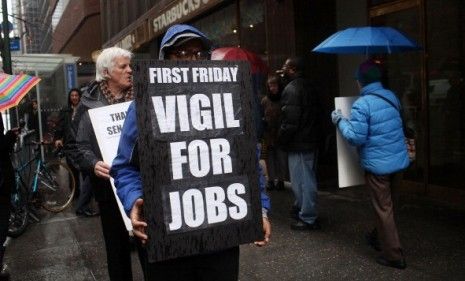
(52, 187)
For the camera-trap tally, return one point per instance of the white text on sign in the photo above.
(161, 75)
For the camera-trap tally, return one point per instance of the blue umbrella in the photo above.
(367, 40)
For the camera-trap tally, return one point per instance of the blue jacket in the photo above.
(125, 170)
(375, 127)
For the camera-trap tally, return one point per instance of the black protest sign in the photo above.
(197, 152)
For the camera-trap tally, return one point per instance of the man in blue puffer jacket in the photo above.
(375, 128)
(181, 42)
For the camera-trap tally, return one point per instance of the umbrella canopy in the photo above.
(234, 53)
(367, 40)
(14, 87)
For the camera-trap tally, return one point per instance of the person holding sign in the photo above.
(113, 84)
(375, 128)
(184, 42)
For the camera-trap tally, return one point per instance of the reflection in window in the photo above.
(446, 92)
(253, 26)
(220, 27)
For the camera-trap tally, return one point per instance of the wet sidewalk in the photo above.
(65, 247)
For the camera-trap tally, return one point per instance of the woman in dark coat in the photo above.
(276, 161)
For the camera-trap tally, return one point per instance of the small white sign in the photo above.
(107, 122)
(350, 172)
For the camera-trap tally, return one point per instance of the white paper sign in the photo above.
(348, 164)
(107, 122)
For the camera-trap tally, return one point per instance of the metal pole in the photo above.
(39, 114)
(6, 40)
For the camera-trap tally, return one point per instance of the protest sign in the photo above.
(348, 164)
(107, 122)
(197, 150)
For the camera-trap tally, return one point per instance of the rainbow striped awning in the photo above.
(14, 87)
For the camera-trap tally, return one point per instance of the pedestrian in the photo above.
(276, 158)
(64, 134)
(7, 182)
(181, 42)
(375, 128)
(32, 119)
(298, 134)
(113, 84)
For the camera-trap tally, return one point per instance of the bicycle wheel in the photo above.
(56, 186)
(19, 211)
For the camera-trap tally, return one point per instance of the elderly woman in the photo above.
(113, 84)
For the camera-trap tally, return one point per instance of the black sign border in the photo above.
(152, 154)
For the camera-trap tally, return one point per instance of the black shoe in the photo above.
(4, 273)
(301, 225)
(270, 185)
(280, 186)
(372, 240)
(399, 264)
(86, 213)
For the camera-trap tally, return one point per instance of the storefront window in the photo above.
(446, 91)
(252, 14)
(221, 26)
(403, 77)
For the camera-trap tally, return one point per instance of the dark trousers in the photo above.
(218, 266)
(85, 194)
(6, 184)
(117, 243)
(381, 199)
(276, 164)
(4, 217)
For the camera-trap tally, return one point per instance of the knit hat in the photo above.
(368, 72)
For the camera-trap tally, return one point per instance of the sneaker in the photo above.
(86, 213)
(301, 225)
(4, 273)
(399, 264)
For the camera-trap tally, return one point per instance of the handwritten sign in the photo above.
(197, 156)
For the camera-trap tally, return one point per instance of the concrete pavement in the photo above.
(65, 247)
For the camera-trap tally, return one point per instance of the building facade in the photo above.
(429, 82)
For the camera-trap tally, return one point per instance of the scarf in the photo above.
(127, 95)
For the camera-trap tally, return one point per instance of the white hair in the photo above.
(105, 61)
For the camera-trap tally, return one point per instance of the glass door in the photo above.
(404, 75)
(446, 91)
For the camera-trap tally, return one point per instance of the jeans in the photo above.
(304, 186)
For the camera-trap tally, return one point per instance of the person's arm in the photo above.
(291, 112)
(355, 129)
(266, 204)
(125, 172)
(60, 130)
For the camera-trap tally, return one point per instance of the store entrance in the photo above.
(431, 87)
(404, 75)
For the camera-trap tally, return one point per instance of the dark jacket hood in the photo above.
(181, 31)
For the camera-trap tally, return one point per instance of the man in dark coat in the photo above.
(298, 135)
